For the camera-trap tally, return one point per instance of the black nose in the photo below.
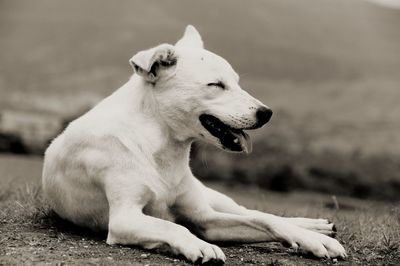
(263, 115)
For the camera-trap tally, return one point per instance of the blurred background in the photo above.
(330, 70)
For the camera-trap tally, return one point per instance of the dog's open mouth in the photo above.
(231, 138)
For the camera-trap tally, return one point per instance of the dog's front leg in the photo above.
(132, 227)
(128, 225)
(251, 226)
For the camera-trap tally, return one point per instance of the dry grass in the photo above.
(31, 233)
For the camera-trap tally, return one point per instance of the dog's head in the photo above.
(197, 93)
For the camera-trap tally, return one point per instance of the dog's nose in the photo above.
(263, 115)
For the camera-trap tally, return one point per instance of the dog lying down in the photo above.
(124, 165)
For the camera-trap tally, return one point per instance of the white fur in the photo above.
(124, 165)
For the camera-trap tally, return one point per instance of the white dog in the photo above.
(124, 165)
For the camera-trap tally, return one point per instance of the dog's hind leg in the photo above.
(225, 204)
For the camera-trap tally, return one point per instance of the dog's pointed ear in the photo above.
(150, 64)
(191, 38)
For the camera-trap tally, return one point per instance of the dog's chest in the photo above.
(172, 166)
(161, 207)
(165, 192)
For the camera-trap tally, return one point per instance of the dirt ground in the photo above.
(31, 235)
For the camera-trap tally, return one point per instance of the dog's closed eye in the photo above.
(218, 84)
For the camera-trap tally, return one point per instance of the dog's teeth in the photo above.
(236, 141)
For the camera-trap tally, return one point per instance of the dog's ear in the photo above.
(150, 64)
(191, 38)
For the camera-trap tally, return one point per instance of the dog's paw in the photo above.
(201, 252)
(319, 245)
(322, 226)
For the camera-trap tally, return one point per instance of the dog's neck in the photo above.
(137, 103)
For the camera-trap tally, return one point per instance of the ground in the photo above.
(31, 234)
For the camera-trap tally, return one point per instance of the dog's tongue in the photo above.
(244, 140)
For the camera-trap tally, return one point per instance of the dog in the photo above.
(124, 165)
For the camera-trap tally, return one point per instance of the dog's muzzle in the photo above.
(233, 139)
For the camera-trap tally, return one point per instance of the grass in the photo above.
(31, 234)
